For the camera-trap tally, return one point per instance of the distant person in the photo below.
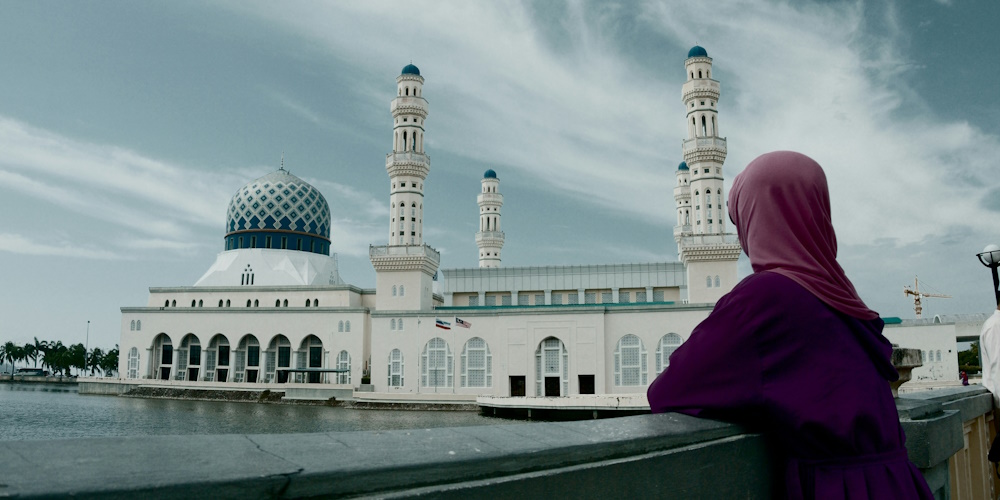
(965, 377)
(793, 351)
(989, 350)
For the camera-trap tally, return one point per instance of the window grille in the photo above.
(606, 298)
(557, 298)
(624, 297)
(344, 363)
(436, 365)
(395, 368)
(590, 297)
(658, 296)
(539, 299)
(630, 362)
(505, 300)
(522, 299)
(476, 364)
(668, 344)
(640, 296)
(473, 300)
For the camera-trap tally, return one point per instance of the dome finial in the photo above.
(282, 167)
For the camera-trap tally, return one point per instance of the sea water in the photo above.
(34, 411)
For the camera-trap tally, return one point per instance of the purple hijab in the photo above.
(780, 205)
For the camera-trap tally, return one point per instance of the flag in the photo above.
(463, 324)
(442, 324)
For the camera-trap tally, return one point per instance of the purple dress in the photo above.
(773, 356)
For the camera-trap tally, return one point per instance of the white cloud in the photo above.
(23, 245)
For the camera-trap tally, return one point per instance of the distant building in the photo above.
(273, 306)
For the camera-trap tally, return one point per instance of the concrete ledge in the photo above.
(382, 463)
(420, 398)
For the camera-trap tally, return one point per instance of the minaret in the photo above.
(489, 239)
(404, 268)
(407, 165)
(702, 243)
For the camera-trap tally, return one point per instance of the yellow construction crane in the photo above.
(917, 295)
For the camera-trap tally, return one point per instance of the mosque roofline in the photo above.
(581, 268)
(259, 288)
(245, 310)
(571, 308)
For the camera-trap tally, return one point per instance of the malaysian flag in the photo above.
(461, 323)
(442, 324)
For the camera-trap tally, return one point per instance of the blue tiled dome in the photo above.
(682, 166)
(410, 69)
(696, 51)
(280, 209)
(490, 174)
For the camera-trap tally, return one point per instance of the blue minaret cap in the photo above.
(682, 166)
(410, 69)
(696, 51)
(490, 174)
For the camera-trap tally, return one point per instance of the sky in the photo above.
(126, 127)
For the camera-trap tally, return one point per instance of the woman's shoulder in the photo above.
(766, 285)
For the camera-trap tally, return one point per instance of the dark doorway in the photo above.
(221, 374)
(252, 376)
(552, 387)
(192, 374)
(284, 361)
(164, 373)
(517, 386)
(586, 384)
(223, 355)
(167, 357)
(253, 356)
(315, 361)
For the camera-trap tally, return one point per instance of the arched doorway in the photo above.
(217, 359)
(162, 360)
(277, 356)
(189, 358)
(247, 367)
(310, 355)
(551, 368)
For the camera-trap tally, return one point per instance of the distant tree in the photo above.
(78, 357)
(94, 359)
(109, 365)
(38, 350)
(29, 352)
(968, 360)
(8, 352)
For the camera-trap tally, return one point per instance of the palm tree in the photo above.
(38, 349)
(94, 359)
(109, 365)
(77, 357)
(7, 353)
(29, 352)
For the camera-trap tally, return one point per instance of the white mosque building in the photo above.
(273, 310)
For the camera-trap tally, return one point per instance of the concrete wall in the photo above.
(646, 456)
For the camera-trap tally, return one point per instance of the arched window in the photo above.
(133, 363)
(393, 290)
(200, 303)
(717, 282)
(477, 364)
(340, 326)
(704, 127)
(668, 344)
(551, 361)
(939, 355)
(699, 73)
(248, 302)
(436, 364)
(192, 302)
(132, 326)
(402, 291)
(220, 302)
(344, 363)
(347, 326)
(316, 302)
(395, 368)
(285, 303)
(630, 362)
(392, 324)
(308, 302)
(708, 281)
(227, 302)
(277, 303)
(166, 303)
(173, 303)
(256, 303)
(138, 325)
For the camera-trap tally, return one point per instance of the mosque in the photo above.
(273, 309)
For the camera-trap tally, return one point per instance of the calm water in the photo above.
(49, 411)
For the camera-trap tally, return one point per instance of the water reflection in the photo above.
(48, 411)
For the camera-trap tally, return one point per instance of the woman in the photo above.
(793, 350)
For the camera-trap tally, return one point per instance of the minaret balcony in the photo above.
(490, 198)
(404, 258)
(409, 105)
(700, 88)
(490, 238)
(681, 230)
(705, 143)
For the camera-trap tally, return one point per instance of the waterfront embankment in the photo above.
(34, 379)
